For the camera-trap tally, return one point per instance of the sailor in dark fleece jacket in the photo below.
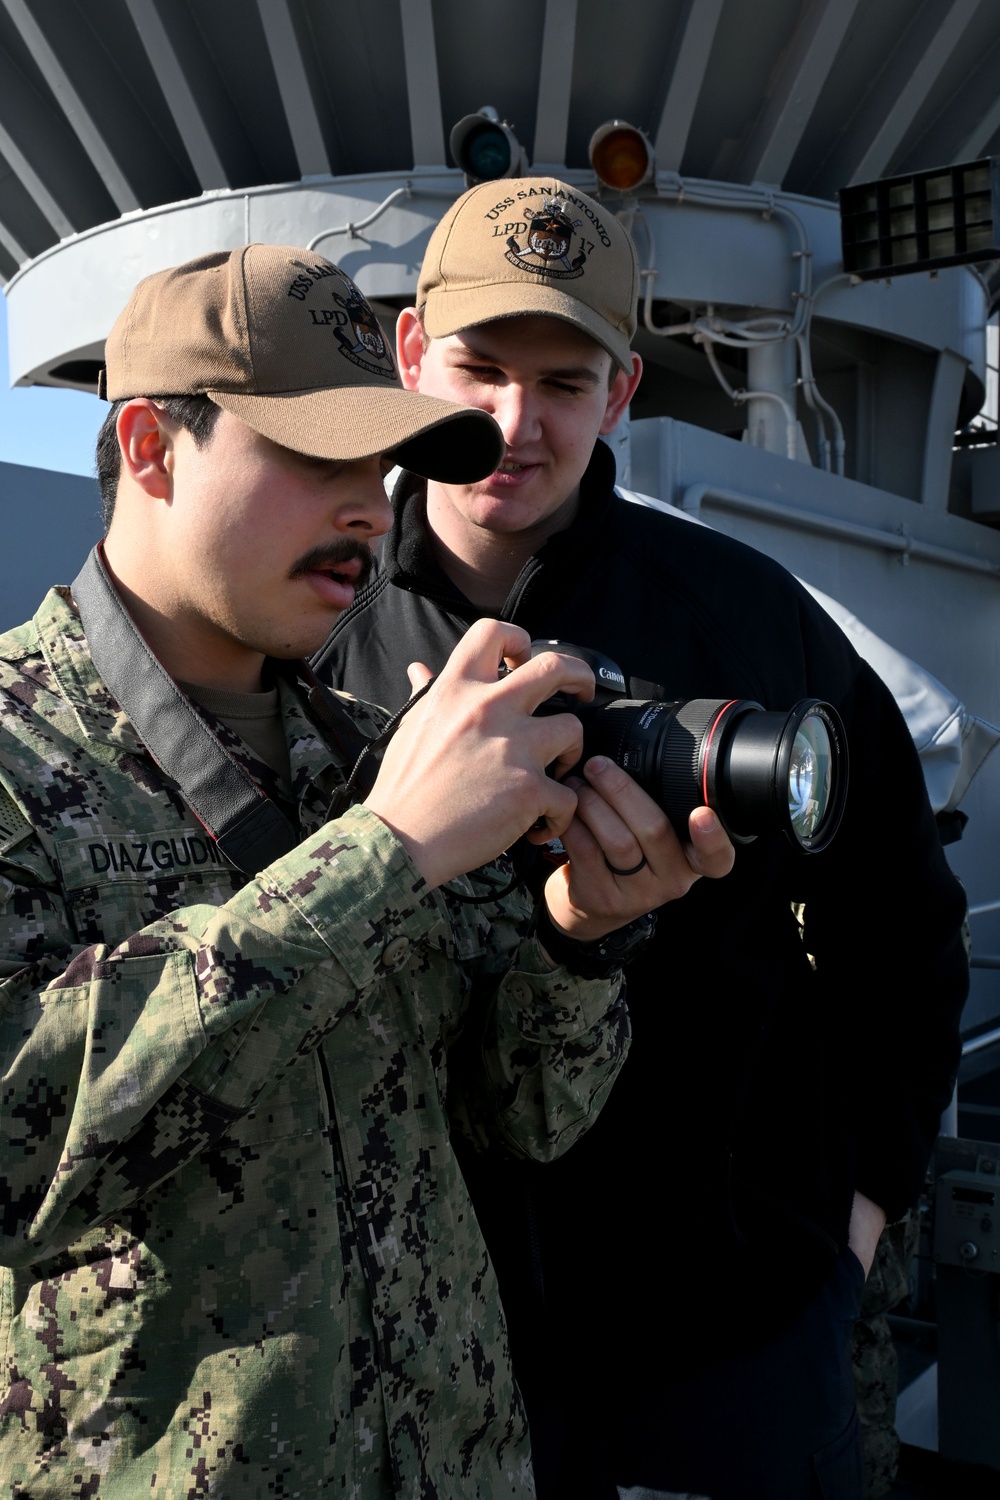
(680, 1287)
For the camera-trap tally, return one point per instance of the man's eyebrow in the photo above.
(583, 374)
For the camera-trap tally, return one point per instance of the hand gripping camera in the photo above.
(759, 772)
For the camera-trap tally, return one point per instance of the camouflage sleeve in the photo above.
(121, 1063)
(540, 1050)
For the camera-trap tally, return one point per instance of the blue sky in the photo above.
(46, 428)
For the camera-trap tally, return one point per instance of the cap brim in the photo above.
(435, 439)
(447, 312)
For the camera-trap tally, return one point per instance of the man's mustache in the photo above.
(331, 555)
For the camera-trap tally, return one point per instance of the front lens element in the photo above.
(810, 776)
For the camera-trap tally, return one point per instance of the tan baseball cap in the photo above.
(531, 245)
(284, 340)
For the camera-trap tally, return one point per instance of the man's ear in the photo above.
(147, 447)
(621, 393)
(409, 347)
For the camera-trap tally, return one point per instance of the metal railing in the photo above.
(696, 495)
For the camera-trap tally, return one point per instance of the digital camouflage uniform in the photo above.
(876, 1375)
(240, 1259)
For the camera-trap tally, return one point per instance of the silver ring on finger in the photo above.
(633, 871)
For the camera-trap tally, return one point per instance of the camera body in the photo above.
(761, 772)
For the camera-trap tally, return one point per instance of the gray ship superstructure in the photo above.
(831, 421)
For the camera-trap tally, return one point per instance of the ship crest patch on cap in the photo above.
(361, 338)
(354, 325)
(547, 242)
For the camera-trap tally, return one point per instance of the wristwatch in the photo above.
(600, 958)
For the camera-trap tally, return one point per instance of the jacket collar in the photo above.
(76, 680)
(408, 559)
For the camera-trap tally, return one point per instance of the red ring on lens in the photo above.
(707, 748)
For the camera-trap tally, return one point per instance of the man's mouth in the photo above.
(511, 472)
(336, 573)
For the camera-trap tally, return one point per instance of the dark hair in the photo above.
(196, 414)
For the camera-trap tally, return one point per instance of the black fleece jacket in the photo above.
(774, 1070)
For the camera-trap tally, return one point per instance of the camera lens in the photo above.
(758, 771)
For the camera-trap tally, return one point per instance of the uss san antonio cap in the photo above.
(284, 340)
(531, 245)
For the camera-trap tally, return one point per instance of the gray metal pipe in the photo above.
(865, 536)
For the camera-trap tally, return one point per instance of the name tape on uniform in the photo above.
(97, 859)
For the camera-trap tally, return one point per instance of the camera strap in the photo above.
(247, 827)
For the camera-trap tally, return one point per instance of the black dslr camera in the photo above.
(759, 772)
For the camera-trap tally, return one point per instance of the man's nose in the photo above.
(366, 510)
(517, 411)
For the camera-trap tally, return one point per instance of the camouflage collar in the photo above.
(76, 679)
(64, 646)
(309, 755)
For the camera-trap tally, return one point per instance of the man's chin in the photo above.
(507, 514)
(305, 642)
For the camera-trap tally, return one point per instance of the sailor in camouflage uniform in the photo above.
(239, 1258)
